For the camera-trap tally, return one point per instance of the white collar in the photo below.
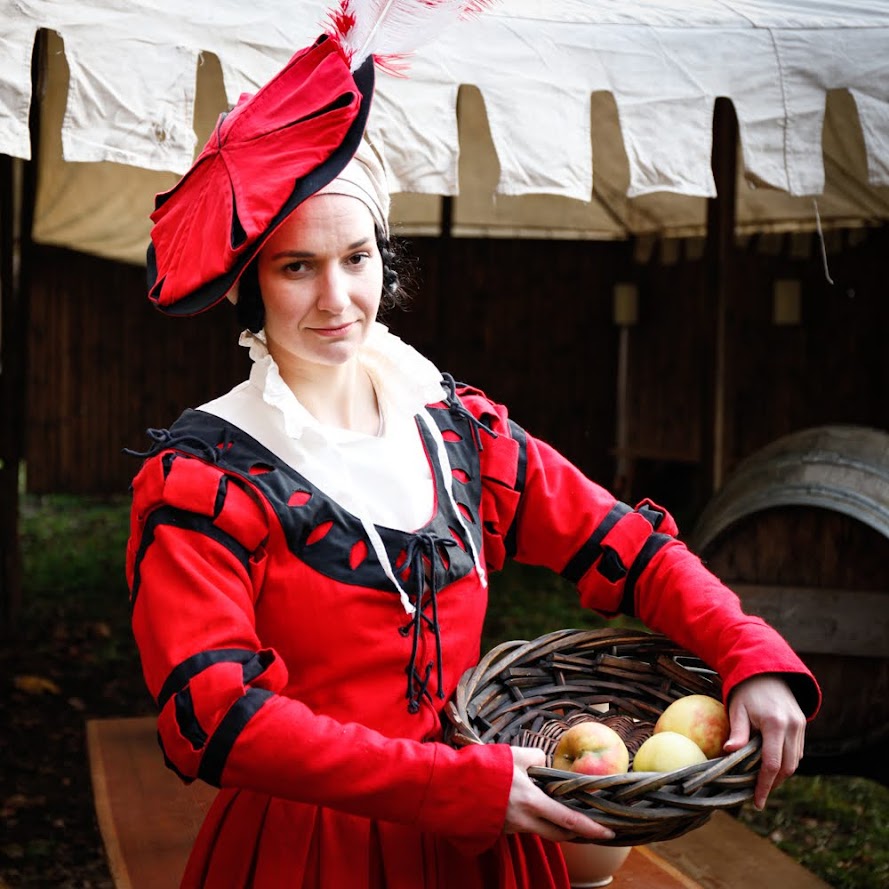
(405, 380)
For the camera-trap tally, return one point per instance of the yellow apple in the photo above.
(667, 751)
(591, 748)
(699, 717)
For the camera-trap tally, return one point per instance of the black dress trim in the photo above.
(254, 664)
(586, 556)
(189, 521)
(651, 546)
(510, 541)
(319, 530)
(326, 537)
(223, 739)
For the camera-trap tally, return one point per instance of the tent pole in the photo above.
(17, 196)
(718, 252)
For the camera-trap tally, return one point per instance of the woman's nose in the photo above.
(333, 295)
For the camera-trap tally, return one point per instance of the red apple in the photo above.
(591, 748)
(700, 718)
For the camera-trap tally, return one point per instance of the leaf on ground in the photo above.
(36, 685)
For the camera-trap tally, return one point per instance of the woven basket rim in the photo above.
(634, 672)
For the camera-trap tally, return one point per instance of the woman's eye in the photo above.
(295, 267)
(358, 258)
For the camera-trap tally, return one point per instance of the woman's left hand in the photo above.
(767, 704)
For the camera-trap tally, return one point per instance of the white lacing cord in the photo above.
(445, 465)
(373, 535)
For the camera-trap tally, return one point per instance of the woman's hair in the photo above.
(251, 311)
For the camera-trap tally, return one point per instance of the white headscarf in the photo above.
(364, 178)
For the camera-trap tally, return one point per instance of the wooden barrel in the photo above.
(800, 531)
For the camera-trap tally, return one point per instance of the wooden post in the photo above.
(10, 571)
(625, 311)
(17, 193)
(718, 258)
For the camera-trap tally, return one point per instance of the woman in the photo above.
(309, 558)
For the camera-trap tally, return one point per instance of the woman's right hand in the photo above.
(530, 810)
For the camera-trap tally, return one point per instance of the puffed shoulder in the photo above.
(182, 482)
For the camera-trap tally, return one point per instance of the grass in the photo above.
(73, 555)
(836, 826)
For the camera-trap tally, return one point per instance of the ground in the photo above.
(52, 682)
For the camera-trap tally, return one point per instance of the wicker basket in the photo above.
(527, 693)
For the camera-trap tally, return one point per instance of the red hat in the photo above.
(279, 147)
(294, 136)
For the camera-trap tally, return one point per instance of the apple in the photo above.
(699, 717)
(591, 748)
(667, 751)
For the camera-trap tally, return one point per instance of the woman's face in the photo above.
(321, 279)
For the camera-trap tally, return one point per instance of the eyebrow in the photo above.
(304, 254)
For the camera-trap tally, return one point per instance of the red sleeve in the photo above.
(194, 560)
(540, 509)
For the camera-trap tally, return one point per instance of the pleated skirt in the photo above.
(254, 841)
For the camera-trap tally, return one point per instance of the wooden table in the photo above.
(149, 818)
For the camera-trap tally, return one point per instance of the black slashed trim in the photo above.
(651, 546)
(221, 491)
(654, 517)
(183, 673)
(236, 452)
(460, 412)
(611, 566)
(510, 541)
(586, 556)
(519, 434)
(189, 727)
(257, 665)
(188, 521)
(169, 762)
(223, 739)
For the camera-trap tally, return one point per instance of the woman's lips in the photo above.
(340, 330)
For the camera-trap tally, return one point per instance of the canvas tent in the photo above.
(551, 118)
(605, 108)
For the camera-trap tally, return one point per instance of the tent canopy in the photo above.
(604, 107)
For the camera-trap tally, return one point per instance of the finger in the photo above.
(575, 825)
(550, 831)
(554, 820)
(772, 759)
(793, 750)
(739, 722)
(540, 813)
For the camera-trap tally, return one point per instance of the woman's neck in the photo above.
(336, 395)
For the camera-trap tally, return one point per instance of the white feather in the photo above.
(396, 27)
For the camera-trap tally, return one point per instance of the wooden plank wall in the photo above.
(831, 368)
(105, 365)
(530, 322)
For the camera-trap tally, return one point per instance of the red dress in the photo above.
(288, 673)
